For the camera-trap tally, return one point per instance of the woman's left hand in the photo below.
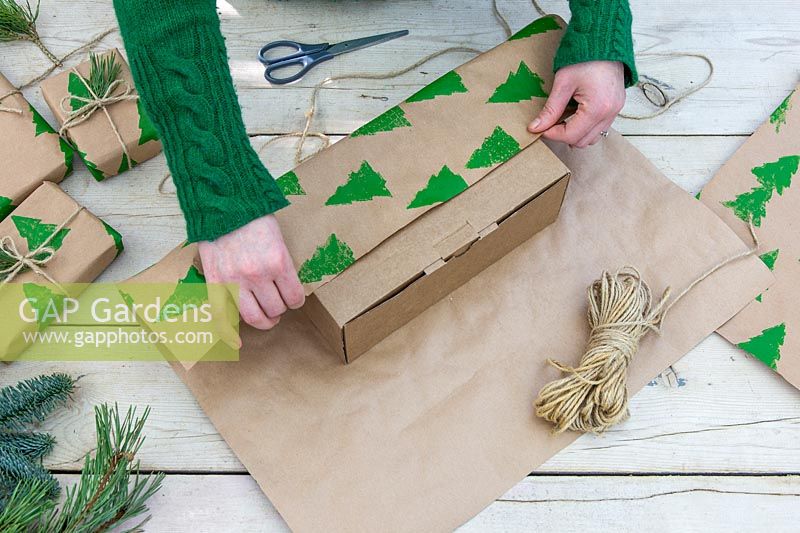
(599, 89)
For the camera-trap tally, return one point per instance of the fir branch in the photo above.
(15, 467)
(110, 490)
(29, 501)
(34, 446)
(33, 399)
(18, 23)
(7, 262)
(103, 72)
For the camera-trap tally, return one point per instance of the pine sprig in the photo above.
(33, 399)
(30, 500)
(7, 262)
(18, 23)
(15, 467)
(110, 490)
(103, 71)
(34, 446)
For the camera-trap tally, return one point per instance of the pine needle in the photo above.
(34, 446)
(110, 490)
(103, 72)
(7, 262)
(15, 467)
(29, 501)
(33, 399)
(18, 23)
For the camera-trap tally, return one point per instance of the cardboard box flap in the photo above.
(351, 197)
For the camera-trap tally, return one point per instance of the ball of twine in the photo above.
(593, 396)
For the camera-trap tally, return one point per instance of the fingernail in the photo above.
(534, 124)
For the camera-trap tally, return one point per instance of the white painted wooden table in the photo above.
(712, 443)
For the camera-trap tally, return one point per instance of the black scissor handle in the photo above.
(299, 49)
(304, 61)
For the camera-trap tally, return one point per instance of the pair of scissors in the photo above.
(305, 56)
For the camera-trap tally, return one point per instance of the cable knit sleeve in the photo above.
(179, 64)
(598, 30)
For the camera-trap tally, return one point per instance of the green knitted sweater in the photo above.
(179, 63)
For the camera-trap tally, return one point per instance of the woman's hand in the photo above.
(599, 89)
(255, 257)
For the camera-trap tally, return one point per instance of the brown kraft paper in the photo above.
(94, 140)
(30, 150)
(83, 249)
(437, 421)
(760, 181)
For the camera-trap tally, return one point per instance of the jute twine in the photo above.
(593, 396)
(60, 61)
(75, 117)
(35, 260)
(7, 109)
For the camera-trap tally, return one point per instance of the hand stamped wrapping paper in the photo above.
(31, 152)
(760, 182)
(437, 421)
(76, 253)
(95, 139)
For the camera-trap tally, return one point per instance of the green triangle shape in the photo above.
(520, 86)
(68, 152)
(6, 207)
(496, 148)
(448, 84)
(329, 259)
(289, 184)
(778, 117)
(43, 301)
(35, 232)
(96, 173)
(766, 346)
(440, 188)
(774, 176)
(769, 258)
(41, 124)
(390, 120)
(541, 25)
(125, 165)
(77, 88)
(116, 236)
(191, 291)
(361, 186)
(147, 130)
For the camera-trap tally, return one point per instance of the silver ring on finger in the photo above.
(604, 134)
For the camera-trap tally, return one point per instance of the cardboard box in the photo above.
(30, 149)
(423, 197)
(438, 252)
(95, 140)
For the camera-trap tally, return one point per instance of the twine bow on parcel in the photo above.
(593, 396)
(75, 117)
(35, 260)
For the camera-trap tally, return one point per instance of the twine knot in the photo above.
(75, 117)
(8, 109)
(593, 396)
(35, 260)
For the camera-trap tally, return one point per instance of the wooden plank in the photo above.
(724, 412)
(214, 503)
(755, 48)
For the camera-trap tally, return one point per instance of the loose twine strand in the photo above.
(8, 109)
(35, 260)
(75, 117)
(593, 396)
(60, 61)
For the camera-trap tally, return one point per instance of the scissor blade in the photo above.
(364, 42)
